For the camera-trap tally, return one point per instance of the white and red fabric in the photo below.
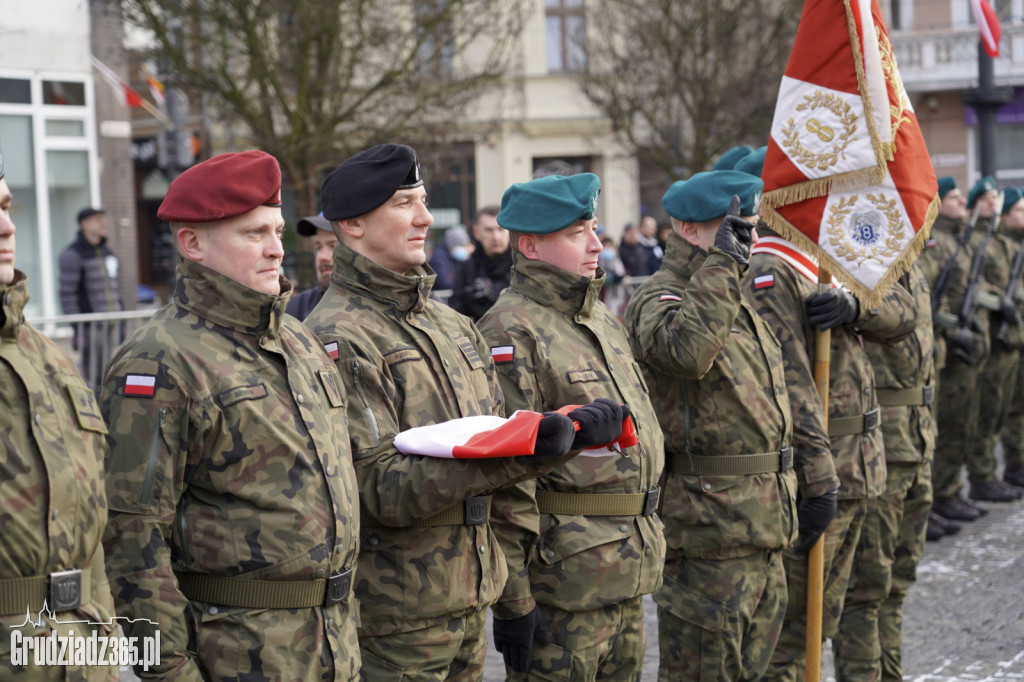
(847, 175)
(988, 26)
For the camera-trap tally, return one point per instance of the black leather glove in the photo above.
(1008, 309)
(514, 639)
(814, 514)
(734, 234)
(963, 343)
(831, 308)
(600, 422)
(555, 435)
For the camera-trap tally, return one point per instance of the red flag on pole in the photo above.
(847, 176)
(988, 26)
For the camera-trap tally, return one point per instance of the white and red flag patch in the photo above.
(764, 281)
(841, 104)
(501, 354)
(140, 385)
(669, 297)
(332, 349)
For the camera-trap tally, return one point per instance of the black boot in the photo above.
(994, 490)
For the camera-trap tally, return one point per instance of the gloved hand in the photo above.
(600, 422)
(963, 342)
(555, 435)
(734, 234)
(814, 514)
(514, 639)
(1008, 309)
(831, 308)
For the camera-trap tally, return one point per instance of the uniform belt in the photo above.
(266, 594)
(472, 512)
(730, 465)
(851, 426)
(893, 397)
(61, 591)
(598, 504)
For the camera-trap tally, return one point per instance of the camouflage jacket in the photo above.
(229, 456)
(908, 430)
(859, 458)
(716, 377)
(410, 361)
(1001, 250)
(51, 489)
(570, 350)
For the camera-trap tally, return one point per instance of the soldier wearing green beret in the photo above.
(437, 535)
(716, 377)
(782, 286)
(234, 522)
(598, 543)
(1012, 434)
(52, 579)
(729, 158)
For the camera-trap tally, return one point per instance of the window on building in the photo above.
(434, 30)
(451, 176)
(64, 93)
(15, 91)
(566, 35)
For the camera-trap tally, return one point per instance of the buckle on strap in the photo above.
(65, 592)
(476, 510)
(338, 588)
(651, 501)
(928, 395)
(871, 419)
(786, 458)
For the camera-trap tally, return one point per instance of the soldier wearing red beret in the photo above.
(233, 514)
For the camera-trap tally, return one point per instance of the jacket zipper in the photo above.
(146, 492)
(371, 419)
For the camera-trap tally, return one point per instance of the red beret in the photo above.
(223, 187)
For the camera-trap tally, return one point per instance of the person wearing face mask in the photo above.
(455, 248)
(319, 228)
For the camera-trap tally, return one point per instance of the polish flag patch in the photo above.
(140, 384)
(332, 349)
(669, 297)
(764, 281)
(931, 244)
(502, 354)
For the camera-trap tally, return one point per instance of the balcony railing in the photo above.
(948, 60)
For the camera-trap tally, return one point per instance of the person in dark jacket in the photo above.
(479, 280)
(88, 284)
(634, 255)
(319, 228)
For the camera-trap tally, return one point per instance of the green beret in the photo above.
(729, 158)
(549, 204)
(1011, 195)
(946, 183)
(753, 162)
(986, 184)
(706, 196)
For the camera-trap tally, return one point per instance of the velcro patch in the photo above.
(469, 350)
(141, 385)
(236, 395)
(501, 354)
(669, 297)
(332, 349)
(764, 281)
(582, 376)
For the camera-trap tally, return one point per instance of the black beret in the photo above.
(368, 179)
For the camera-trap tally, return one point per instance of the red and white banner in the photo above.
(988, 26)
(486, 436)
(847, 176)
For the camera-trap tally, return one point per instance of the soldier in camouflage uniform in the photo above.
(717, 380)
(51, 489)
(233, 509)
(782, 288)
(1012, 435)
(869, 640)
(599, 543)
(430, 561)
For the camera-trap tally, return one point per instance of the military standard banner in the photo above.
(847, 176)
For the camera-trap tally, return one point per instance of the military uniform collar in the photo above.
(682, 257)
(13, 298)
(227, 303)
(947, 225)
(551, 286)
(359, 274)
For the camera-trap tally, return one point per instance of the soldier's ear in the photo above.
(690, 232)
(528, 246)
(352, 227)
(190, 243)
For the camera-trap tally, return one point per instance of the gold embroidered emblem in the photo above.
(859, 231)
(842, 116)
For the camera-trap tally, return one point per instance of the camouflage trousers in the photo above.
(450, 651)
(868, 644)
(997, 385)
(604, 644)
(956, 413)
(841, 538)
(1012, 435)
(719, 620)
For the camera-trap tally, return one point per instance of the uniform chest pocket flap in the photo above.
(574, 534)
(87, 410)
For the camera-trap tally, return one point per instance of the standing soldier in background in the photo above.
(51, 488)
(430, 561)
(233, 519)
(869, 640)
(782, 287)
(1012, 435)
(479, 280)
(318, 227)
(600, 545)
(718, 383)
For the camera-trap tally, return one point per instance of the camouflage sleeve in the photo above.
(145, 469)
(782, 308)
(398, 489)
(892, 321)
(681, 332)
